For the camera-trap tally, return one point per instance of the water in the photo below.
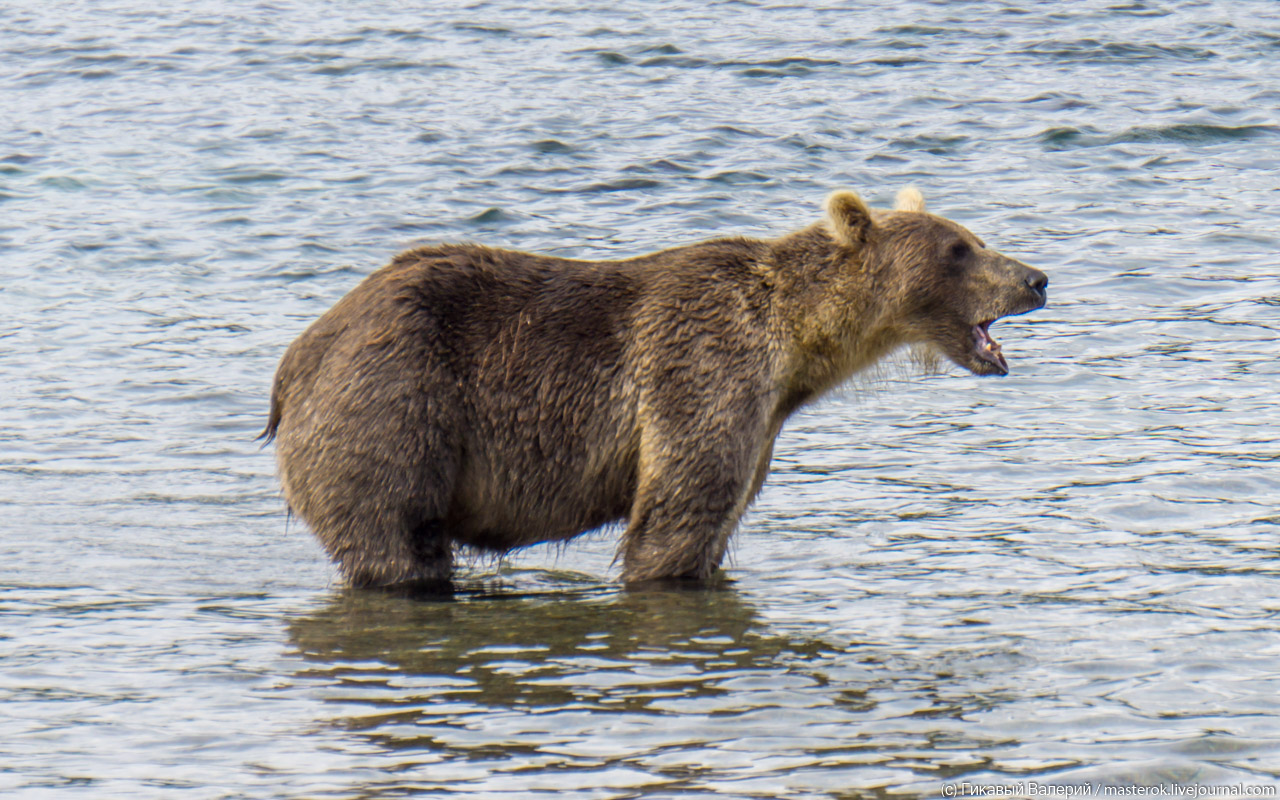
(1066, 575)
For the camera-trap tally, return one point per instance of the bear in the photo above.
(490, 399)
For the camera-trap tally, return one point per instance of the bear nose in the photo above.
(1037, 281)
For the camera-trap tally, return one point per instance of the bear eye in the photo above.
(960, 251)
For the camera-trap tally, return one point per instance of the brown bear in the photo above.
(465, 395)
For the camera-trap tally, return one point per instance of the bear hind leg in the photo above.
(377, 548)
(378, 517)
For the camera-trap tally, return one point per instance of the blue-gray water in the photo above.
(1066, 575)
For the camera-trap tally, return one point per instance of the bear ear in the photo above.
(848, 218)
(909, 199)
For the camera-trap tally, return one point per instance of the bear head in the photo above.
(943, 286)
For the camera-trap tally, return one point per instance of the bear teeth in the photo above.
(988, 349)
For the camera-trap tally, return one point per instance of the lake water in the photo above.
(1067, 575)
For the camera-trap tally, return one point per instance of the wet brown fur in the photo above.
(466, 395)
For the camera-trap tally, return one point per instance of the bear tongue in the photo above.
(988, 349)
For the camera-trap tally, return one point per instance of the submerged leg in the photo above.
(373, 488)
(692, 491)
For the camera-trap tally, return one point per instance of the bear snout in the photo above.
(1023, 288)
(1037, 282)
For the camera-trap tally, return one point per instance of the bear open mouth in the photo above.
(988, 349)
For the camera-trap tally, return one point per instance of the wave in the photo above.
(1061, 138)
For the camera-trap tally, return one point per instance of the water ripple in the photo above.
(1068, 575)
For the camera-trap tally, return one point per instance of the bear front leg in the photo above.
(693, 487)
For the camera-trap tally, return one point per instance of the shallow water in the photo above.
(1066, 575)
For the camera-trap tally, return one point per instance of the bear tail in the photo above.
(273, 422)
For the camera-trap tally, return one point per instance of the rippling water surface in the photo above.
(1066, 575)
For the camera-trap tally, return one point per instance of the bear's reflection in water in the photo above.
(580, 646)
(654, 690)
